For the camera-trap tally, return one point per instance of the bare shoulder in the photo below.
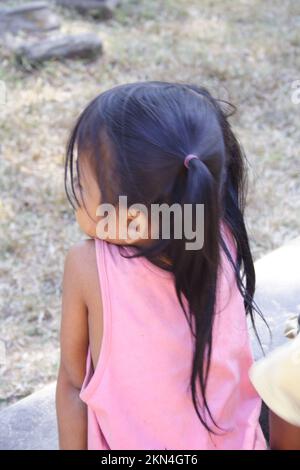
(81, 251)
(81, 266)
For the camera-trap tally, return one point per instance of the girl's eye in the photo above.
(77, 184)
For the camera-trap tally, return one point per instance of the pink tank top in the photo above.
(138, 397)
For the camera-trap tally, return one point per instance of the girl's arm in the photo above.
(283, 435)
(71, 410)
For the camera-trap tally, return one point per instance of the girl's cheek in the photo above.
(85, 223)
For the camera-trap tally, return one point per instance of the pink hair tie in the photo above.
(188, 158)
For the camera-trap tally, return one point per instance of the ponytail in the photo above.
(195, 273)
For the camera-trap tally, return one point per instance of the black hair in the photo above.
(137, 137)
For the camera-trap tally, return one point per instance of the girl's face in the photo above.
(89, 196)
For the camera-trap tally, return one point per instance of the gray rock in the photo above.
(277, 294)
(83, 46)
(35, 16)
(278, 297)
(30, 424)
(102, 9)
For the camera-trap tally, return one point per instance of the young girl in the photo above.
(155, 350)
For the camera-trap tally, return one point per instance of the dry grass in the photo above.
(246, 51)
